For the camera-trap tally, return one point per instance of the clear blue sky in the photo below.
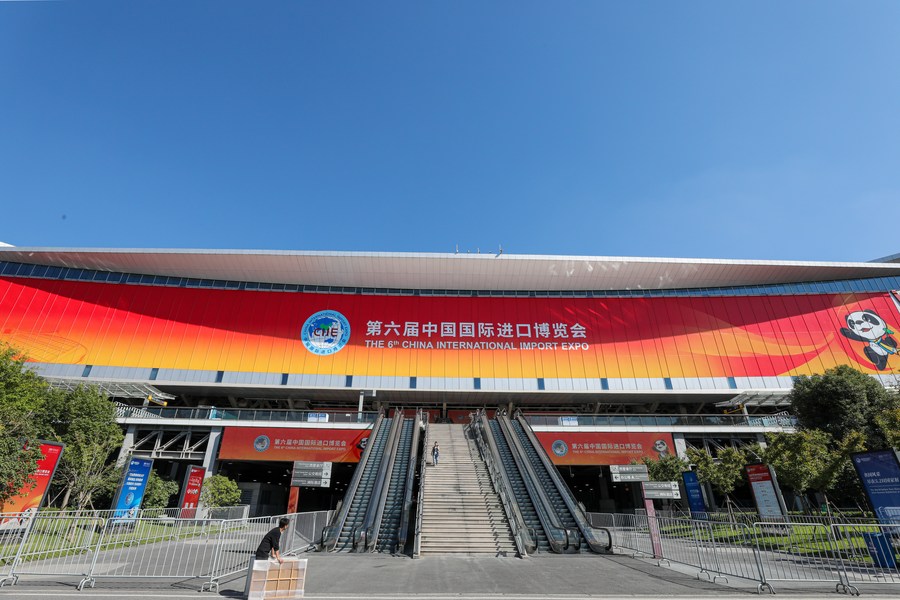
(685, 129)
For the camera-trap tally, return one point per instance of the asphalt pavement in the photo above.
(353, 576)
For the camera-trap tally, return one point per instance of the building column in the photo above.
(127, 445)
(212, 450)
(680, 445)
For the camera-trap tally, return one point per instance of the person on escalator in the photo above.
(435, 454)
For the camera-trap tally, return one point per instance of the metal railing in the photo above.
(124, 411)
(559, 420)
(420, 498)
(89, 547)
(403, 532)
(844, 555)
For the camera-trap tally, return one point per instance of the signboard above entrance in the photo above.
(318, 445)
(603, 448)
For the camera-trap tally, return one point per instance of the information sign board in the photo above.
(131, 491)
(628, 469)
(661, 490)
(765, 492)
(879, 472)
(694, 493)
(311, 474)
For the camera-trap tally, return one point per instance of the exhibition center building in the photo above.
(265, 358)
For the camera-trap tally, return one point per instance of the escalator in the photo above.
(389, 531)
(556, 500)
(343, 534)
(556, 491)
(518, 488)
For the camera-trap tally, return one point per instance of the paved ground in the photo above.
(348, 576)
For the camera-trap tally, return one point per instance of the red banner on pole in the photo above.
(190, 491)
(31, 496)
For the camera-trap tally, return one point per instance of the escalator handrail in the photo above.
(561, 539)
(417, 542)
(484, 439)
(589, 532)
(403, 532)
(368, 533)
(332, 533)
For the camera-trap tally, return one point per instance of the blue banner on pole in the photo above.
(879, 472)
(131, 492)
(694, 493)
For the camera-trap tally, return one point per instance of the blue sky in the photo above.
(687, 129)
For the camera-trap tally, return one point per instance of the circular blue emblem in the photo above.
(325, 332)
(559, 448)
(261, 444)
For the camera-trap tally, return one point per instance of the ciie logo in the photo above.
(261, 444)
(559, 448)
(325, 332)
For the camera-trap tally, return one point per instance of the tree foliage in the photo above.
(888, 420)
(219, 490)
(22, 394)
(723, 472)
(85, 421)
(841, 401)
(668, 467)
(809, 460)
(159, 491)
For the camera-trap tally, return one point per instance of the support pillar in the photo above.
(127, 446)
(212, 451)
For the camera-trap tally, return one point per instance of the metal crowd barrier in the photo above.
(845, 555)
(103, 546)
(868, 553)
(241, 537)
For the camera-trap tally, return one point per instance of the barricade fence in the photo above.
(104, 545)
(844, 555)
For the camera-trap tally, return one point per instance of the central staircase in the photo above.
(461, 512)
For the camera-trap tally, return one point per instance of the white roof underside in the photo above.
(448, 271)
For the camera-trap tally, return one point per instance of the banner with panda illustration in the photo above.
(319, 339)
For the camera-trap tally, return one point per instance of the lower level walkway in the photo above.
(381, 577)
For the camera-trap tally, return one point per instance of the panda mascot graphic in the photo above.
(866, 326)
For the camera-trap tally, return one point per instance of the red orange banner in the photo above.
(601, 448)
(32, 494)
(399, 336)
(319, 445)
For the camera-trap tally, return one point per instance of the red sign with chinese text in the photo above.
(602, 448)
(32, 494)
(314, 445)
(190, 496)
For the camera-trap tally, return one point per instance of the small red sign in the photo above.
(190, 496)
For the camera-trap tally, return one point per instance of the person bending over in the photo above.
(271, 544)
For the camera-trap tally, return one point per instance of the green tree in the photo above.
(159, 491)
(668, 467)
(840, 401)
(888, 420)
(22, 398)
(723, 472)
(219, 490)
(85, 421)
